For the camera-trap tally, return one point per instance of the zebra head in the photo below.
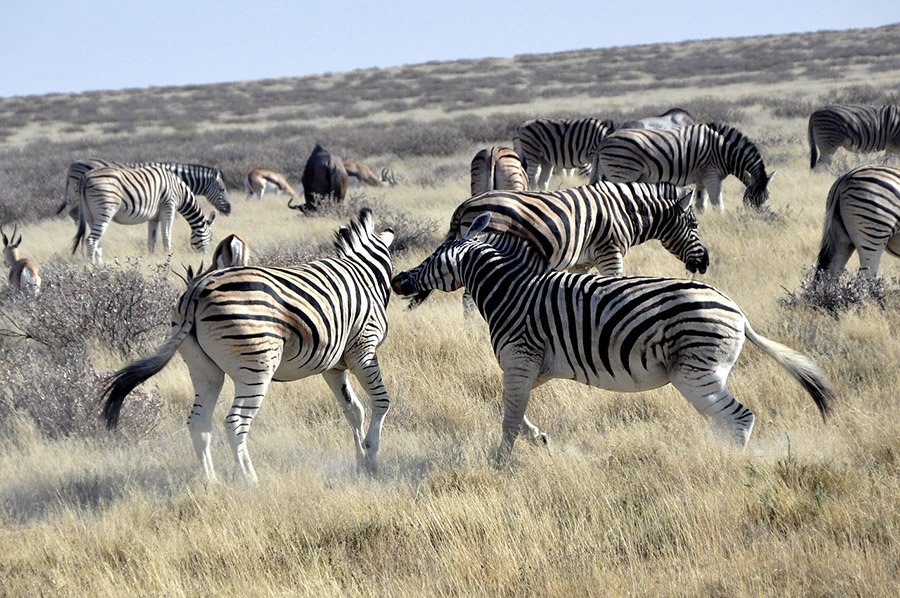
(440, 270)
(359, 243)
(681, 235)
(756, 191)
(200, 236)
(215, 193)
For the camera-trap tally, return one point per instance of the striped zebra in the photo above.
(202, 180)
(151, 194)
(701, 154)
(498, 168)
(853, 127)
(625, 334)
(262, 324)
(863, 214)
(592, 225)
(544, 144)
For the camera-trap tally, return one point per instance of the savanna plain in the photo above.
(633, 496)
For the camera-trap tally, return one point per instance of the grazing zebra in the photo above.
(202, 180)
(498, 168)
(260, 180)
(853, 127)
(863, 214)
(672, 118)
(625, 334)
(262, 324)
(150, 194)
(544, 144)
(23, 271)
(701, 154)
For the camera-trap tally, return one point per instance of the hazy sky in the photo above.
(53, 46)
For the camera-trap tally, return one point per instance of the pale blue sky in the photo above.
(51, 46)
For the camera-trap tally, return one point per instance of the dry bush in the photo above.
(837, 295)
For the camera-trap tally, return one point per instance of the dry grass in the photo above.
(634, 495)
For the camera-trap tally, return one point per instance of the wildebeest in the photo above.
(324, 176)
(670, 119)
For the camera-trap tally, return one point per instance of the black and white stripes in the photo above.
(544, 144)
(854, 127)
(699, 154)
(151, 194)
(863, 214)
(262, 324)
(624, 334)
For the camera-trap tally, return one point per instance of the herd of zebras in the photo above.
(522, 257)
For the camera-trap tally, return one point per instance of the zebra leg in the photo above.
(518, 380)
(152, 230)
(706, 391)
(469, 307)
(339, 383)
(167, 217)
(869, 260)
(699, 197)
(248, 396)
(545, 171)
(207, 379)
(608, 261)
(713, 186)
(369, 375)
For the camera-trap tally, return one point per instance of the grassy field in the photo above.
(634, 496)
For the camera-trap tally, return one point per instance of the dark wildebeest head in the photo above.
(324, 177)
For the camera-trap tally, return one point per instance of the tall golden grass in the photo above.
(633, 496)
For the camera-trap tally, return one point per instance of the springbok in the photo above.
(231, 251)
(23, 271)
(365, 174)
(324, 176)
(260, 180)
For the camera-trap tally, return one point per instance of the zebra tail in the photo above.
(832, 220)
(813, 149)
(800, 367)
(124, 381)
(82, 225)
(65, 200)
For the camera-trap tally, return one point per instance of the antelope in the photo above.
(23, 272)
(365, 174)
(260, 180)
(231, 251)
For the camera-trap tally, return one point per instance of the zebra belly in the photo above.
(558, 365)
(893, 245)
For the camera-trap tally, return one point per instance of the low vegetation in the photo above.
(633, 495)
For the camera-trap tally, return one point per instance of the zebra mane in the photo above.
(756, 169)
(355, 238)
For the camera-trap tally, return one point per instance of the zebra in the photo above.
(24, 274)
(854, 127)
(497, 168)
(150, 194)
(262, 324)
(672, 118)
(593, 225)
(862, 213)
(544, 144)
(625, 334)
(202, 180)
(702, 154)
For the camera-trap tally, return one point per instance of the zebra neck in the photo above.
(499, 283)
(190, 209)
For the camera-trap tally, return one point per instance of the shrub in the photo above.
(835, 295)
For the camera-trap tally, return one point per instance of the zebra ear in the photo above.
(772, 176)
(211, 218)
(686, 201)
(478, 225)
(387, 236)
